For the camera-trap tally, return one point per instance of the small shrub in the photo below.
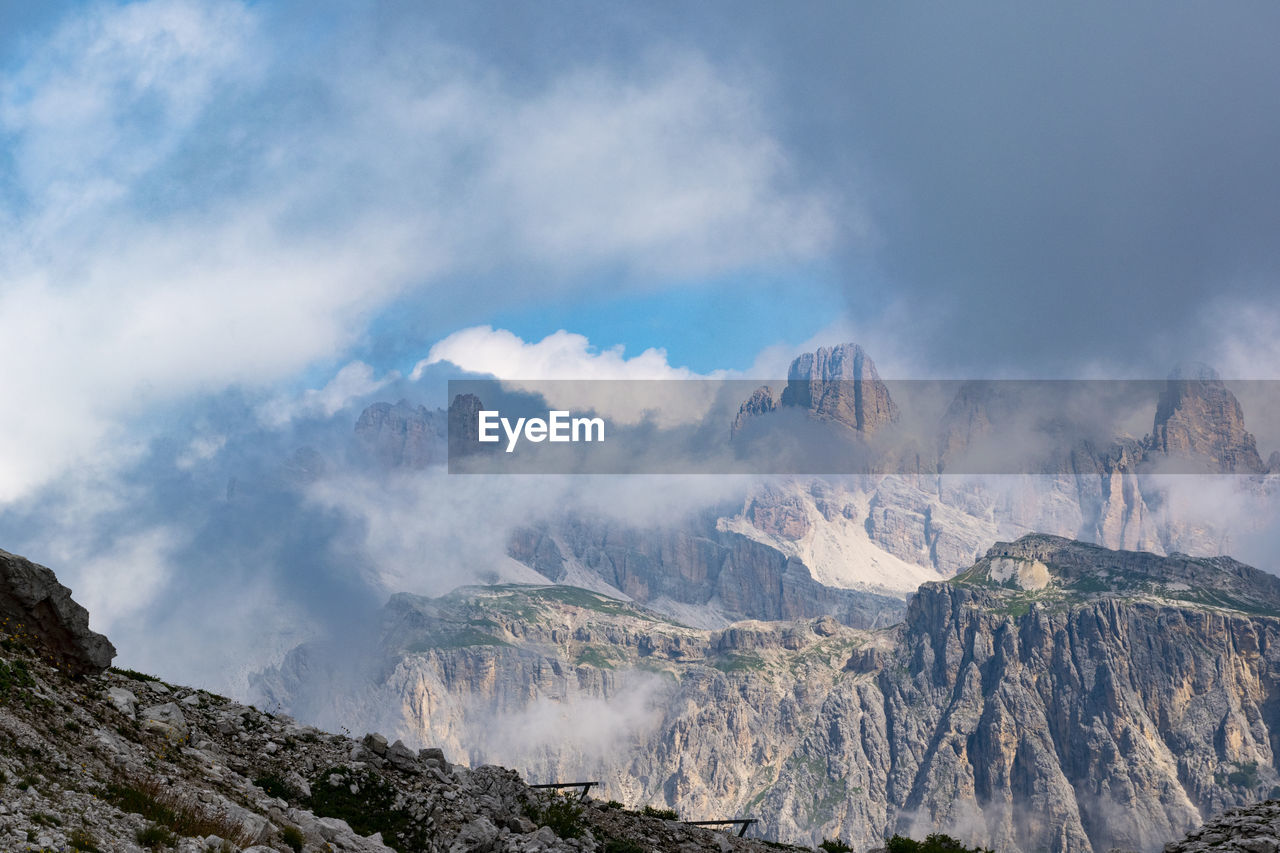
(274, 786)
(1245, 775)
(563, 815)
(935, 843)
(662, 814)
(173, 812)
(83, 842)
(613, 804)
(293, 838)
(622, 845)
(155, 836)
(373, 808)
(835, 845)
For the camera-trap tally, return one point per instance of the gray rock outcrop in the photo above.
(32, 602)
(840, 384)
(1199, 418)
(402, 435)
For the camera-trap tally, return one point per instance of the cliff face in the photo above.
(696, 570)
(1198, 417)
(840, 384)
(1055, 696)
(402, 436)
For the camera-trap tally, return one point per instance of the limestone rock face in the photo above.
(1199, 417)
(1055, 696)
(464, 425)
(403, 435)
(32, 600)
(761, 402)
(840, 383)
(779, 515)
(696, 569)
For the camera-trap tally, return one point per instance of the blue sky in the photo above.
(705, 324)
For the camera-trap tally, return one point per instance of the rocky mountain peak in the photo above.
(402, 435)
(840, 383)
(1198, 416)
(761, 402)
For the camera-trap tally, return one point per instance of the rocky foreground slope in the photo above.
(1055, 696)
(117, 762)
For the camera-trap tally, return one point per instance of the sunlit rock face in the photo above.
(841, 384)
(1053, 696)
(1199, 418)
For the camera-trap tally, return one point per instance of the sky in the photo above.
(224, 223)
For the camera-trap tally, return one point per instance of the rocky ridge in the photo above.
(1057, 696)
(1247, 829)
(114, 760)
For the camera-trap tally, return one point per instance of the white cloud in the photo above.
(181, 220)
(570, 373)
(123, 581)
(116, 90)
(681, 171)
(353, 381)
(562, 355)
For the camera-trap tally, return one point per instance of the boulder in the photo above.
(167, 720)
(32, 601)
(124, 701)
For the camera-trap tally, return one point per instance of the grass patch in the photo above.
(172, 812)
(273, 786)
(134, 674)
(370, 808)
(739, 663)
(461, 639)
(156, 836)
(83, 842)
(591, 656)
(661, 814)
(14, 677)
(622, 845)
(293, 838)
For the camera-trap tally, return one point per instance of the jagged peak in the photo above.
(842, 361)
(1198, 416)
(841, 384)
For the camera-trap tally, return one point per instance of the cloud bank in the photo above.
(192, 202)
